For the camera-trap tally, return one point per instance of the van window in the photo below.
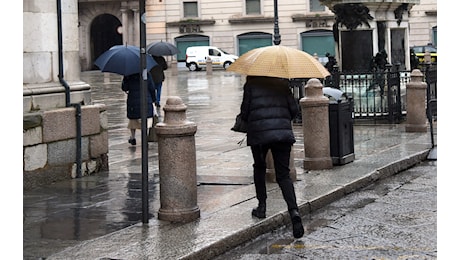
(214, 52)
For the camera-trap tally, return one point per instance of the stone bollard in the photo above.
(106, 77)
(208, 66)
(271, 174)
(315, 123)
(427, 57)
(173, 67)
(177, 164)
(416, 120)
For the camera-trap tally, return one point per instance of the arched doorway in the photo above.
(105, 33)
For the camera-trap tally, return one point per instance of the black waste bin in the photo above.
(340, 126)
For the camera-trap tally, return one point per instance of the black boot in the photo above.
(259, 212)
(297, 227)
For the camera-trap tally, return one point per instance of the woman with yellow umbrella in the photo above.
(268, 108)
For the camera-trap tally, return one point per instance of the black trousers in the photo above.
(281, 153)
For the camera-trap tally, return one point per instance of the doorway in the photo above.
(105, 33)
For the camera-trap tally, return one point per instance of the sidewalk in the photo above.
(99, 216)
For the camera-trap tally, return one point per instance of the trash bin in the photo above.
(340, 126)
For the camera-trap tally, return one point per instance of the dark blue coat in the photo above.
(131, 85)
(269, 107)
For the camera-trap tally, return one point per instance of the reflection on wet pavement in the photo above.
(92, 206)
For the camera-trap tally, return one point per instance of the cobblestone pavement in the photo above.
(393, 218)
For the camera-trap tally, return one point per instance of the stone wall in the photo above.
(50, 144)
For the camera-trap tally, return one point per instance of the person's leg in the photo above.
(259, 154)
(132, 138)
(158, 87)
(281, 157)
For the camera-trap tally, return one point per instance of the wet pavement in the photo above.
(99, 216)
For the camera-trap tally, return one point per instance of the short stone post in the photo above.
(416, 120)
(106, 77)
(315, 123)
(208, 66)
(427, 57)
(271, 174)
(177, 164)
(173, 67)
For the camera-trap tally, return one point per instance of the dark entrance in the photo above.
(104, 34)
(398, 51)
(356, 50)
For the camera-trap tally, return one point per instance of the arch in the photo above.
(253, 40)
(104, 33)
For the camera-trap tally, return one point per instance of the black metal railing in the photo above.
(377, 95)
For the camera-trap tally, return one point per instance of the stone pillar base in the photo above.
(175, 215)
(317, 163)
(416, 128)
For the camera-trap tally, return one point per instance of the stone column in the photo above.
(177, 164)
(315, 123)
(416, 103)
(136, 40)
(124, 20)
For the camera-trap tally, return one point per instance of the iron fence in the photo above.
(376, 95)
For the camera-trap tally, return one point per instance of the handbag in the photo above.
(240, 125)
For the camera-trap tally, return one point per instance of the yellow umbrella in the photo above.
(279, 61)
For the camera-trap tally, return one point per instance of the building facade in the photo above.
(239, 26)
(63, 38)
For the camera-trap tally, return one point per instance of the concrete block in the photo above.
(64, 152)
(35, 157)
(48, 101)
(37, 67)
(90, 121)
(59, 124)
(32, 136)
(99, 144)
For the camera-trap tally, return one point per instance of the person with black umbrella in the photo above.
(158, 77)
(131, 85)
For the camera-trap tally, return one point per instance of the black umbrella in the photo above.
(123, 60)
(162, 49)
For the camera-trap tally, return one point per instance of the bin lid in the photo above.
(334, 95)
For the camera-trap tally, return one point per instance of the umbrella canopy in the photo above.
(162, 49)
(123, 60)
(279, 61)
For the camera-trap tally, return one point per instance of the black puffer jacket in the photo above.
(269, 108)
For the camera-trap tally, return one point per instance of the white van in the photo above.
(196, 57)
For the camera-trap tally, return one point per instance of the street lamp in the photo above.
(276, 36)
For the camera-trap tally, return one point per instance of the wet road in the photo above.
(65, 213)
(394, 218)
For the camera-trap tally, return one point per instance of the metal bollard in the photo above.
(208, 66)
(416, 101)
(177, 164)
(315, 123)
